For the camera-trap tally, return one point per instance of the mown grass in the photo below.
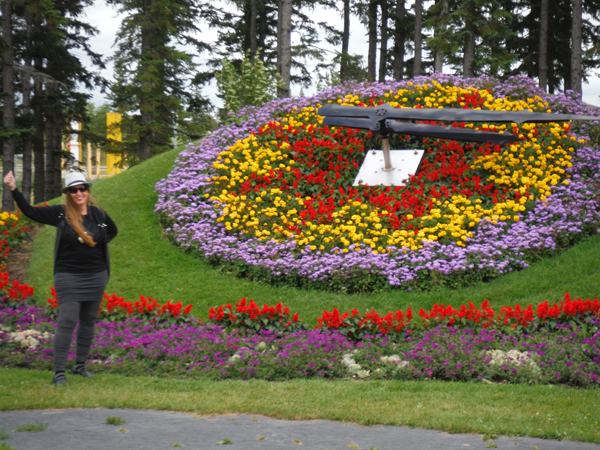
(514, 410)
(5, 446)
(144, 262)
(33, 427)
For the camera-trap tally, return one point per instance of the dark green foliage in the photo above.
(249, 84)
(525, 37)
(49, 39)
(254, 33)
(487, 22)
(153, 74)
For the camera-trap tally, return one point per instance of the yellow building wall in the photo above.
(113, 160)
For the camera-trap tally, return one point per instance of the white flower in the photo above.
(394, 359)
(363, 373)
(261, 347)
(354, 368)
(512, 357)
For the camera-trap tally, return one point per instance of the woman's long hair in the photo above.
(75, 219)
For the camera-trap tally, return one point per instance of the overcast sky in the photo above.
(105, 19)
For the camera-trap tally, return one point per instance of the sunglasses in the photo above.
(75, 190)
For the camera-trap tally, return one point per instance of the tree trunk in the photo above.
(372, 30)
(384, 40)
(345, 43)
(8, 113)
(27, 139)
(469, 52)
(253, 41)
(399, 41)
(438, 61)
(262, 29)
(57, 169)
(284, 46)
(39, 181)
(418, 37)
(543, 59)
(576, 49)
(52, 151)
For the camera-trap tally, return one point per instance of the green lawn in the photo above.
(145, 262)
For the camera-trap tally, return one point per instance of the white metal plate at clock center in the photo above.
(405, 163)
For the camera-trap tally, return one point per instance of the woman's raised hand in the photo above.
(10, 181)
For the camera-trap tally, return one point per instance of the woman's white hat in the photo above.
(74, 178)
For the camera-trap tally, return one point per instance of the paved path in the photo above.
(87, 429)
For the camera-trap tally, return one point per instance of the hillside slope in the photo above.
(145, 262)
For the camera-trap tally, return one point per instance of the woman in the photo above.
(81, 266)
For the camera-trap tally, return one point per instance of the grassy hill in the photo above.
(144, 262)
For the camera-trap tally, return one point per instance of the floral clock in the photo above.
(272, 198)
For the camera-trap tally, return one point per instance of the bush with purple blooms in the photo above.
(559, 217)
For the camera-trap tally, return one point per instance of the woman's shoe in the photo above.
(83, 371)
(59, 379)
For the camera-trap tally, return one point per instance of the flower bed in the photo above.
(272, 198)
(565, 354)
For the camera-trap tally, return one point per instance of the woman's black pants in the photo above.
(68, 315)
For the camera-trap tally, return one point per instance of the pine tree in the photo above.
(237, 31)
(439, 13)
(49, 38)
(152, 73)
(529, 40)
(472, 34)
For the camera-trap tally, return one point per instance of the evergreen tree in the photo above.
(47, 36)
(252, 26)
(472, 34)
(529, 39)
(152, 73)
(237, 30)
